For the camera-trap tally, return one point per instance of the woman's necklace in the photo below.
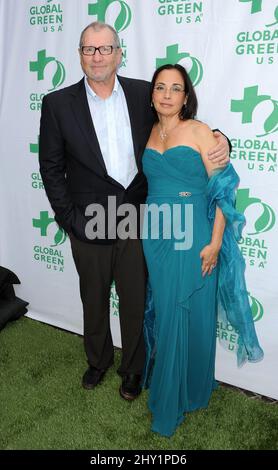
(164, 134)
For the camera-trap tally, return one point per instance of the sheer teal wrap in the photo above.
(233, 303)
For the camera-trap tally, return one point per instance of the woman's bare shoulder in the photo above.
(200, 127)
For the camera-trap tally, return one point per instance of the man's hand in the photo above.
(220, 153)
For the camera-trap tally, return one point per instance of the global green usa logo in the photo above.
(41, 65)
(114, 301)
(265, 219)
(48, 15)
(228, 336)
(260, 218)
(192, 64)
(189, 12)
(44, 222)
(258, 155)
(251, 100)
(261, 43)
(50, 254)
(104, 8)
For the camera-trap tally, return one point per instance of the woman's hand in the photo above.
(209, 255)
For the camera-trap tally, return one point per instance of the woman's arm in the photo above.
(209, 253)
(205, 140)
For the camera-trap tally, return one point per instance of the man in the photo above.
(92, 137)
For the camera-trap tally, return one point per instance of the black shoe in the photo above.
(130, 388)
(92, 377)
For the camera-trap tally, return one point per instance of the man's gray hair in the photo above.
(98, 26)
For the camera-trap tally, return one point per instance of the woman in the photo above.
(196, 200)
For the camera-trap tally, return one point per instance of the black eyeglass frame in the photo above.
(99, 49)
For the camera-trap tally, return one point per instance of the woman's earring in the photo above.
(152, 104)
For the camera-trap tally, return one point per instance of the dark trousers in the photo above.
(97, 266)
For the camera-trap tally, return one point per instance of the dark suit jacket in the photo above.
(71, 163)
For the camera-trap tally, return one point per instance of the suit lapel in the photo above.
(81, 110)
(82, 113)
(132, 105)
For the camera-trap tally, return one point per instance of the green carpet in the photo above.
(43, 405)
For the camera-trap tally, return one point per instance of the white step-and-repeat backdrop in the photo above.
(230, 49)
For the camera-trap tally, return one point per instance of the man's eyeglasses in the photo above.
(103, 50)
(173, 89)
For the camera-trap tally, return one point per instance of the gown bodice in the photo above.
(177, 170)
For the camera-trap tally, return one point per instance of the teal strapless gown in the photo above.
(182, 376)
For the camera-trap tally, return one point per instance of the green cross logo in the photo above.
(256, 5)
(173, 56)
(100, 7)
(265, 221)
(256, 308)
(40, 64)
(246, 106)
(43, 223)
(34, 148)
